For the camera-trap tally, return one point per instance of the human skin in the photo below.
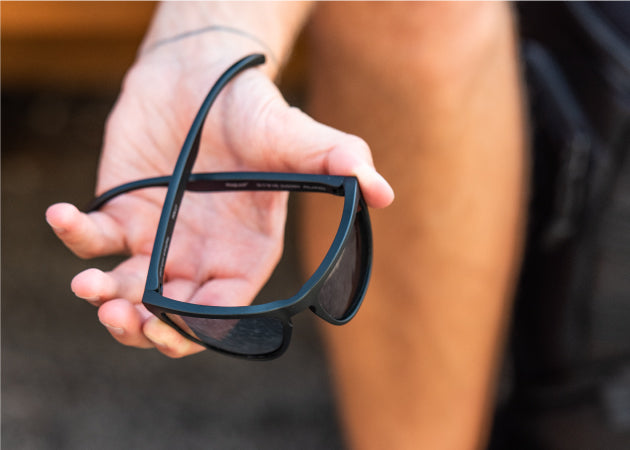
(434, 88)
(251, 127)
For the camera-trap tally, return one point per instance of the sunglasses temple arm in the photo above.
(217, 182)
(183, 168)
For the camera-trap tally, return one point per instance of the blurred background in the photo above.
(66, 384)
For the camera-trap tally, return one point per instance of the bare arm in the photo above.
(251, 128)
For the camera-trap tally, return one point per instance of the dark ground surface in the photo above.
(65, 383)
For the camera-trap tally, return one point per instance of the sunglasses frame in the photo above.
(354, 211)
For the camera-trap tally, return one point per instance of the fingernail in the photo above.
(93, 300)
(58, 230)
(115, 330)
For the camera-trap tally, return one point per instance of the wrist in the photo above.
(193, 34)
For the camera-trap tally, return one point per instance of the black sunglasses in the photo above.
(335, 290)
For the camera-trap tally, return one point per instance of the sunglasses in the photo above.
(334, 291)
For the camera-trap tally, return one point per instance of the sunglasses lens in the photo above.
(338, 295)
(249, 336)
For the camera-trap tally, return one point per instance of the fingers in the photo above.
(119, 294)
(226, 292)
(87, 235)
(134, 326)
(131, 324)
(125, 281)
(268, 134)
(336, 153)
(167, 340)
(326, 150)
(124, 321)
(342, 159)
(96, 286)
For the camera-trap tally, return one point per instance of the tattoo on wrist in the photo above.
(211, 29)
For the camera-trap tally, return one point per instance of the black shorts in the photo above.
(569, 358)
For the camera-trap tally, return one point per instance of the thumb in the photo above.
(298, 143)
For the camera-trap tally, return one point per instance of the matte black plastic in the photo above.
(354, 221)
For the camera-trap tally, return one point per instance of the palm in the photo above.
(225, 244)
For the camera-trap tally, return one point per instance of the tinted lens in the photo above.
(248, 336)
(338, 295)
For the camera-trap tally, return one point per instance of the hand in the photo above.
(225, 246)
